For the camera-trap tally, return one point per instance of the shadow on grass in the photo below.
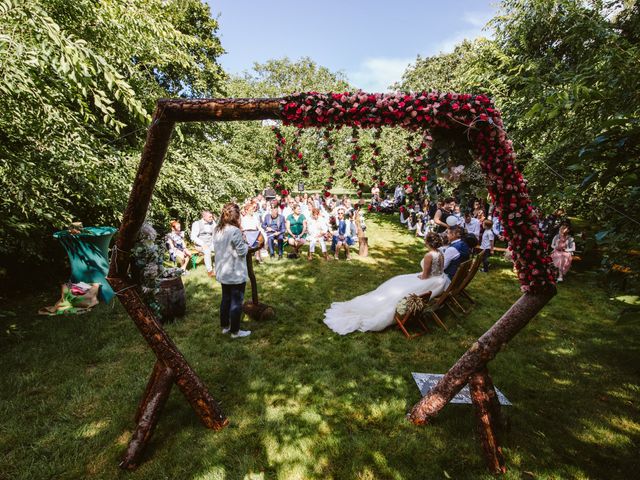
(306, 403)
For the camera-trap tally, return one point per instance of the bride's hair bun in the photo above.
(433, 240)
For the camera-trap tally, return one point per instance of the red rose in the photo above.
(327, 193)
(285, 192)
(300, 155)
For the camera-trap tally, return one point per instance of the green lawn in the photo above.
(306, 403)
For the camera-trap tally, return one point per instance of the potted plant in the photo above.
(161, 288)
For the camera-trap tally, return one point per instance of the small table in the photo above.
(88, 253)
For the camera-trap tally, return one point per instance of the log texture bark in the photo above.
(484, 400)
(480, 353)
(363, 241)
(155, 148)
(166, 351)
(148, 414)
(221, 109)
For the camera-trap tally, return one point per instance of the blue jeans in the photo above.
(271, 241)
(231, 306)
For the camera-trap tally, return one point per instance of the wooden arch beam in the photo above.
(171, 366)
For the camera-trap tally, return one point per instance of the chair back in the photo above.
(475, 266)
(458, 279)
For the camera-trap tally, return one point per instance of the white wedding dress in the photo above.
(374, 310)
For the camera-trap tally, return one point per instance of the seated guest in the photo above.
(274, 227)
(296, 231)
(456, 253)
(177, 247)
(251, 227)
(563, 247)
(342, 235)
(202, 237)
(375, 194)
(318, 229)
(472, 225)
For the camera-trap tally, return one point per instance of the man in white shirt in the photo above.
(457, 251)
(472, 224)
(202, 237)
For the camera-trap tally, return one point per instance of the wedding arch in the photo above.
(470, 118)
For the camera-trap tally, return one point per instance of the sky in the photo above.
(371, 42)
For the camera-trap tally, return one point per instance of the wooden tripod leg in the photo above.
(158, 370)
(480, 353)
(149, 410)
(166, 351)
(486, 422)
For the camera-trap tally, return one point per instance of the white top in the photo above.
(202, 232)
(231, 251)
(487, 240)
(317, 228)
(451, 254)
(473, 227)
(250, 222)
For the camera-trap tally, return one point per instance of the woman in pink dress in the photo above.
(563, 247)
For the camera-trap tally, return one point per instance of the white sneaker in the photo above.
(559, 279)
(241, 333)
(226, 330)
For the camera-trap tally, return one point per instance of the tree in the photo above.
(78, 81)
(560, 71)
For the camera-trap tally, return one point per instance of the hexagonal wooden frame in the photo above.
(171, 366)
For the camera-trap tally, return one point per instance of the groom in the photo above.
(456, 253)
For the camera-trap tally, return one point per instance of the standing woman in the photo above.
(231, 269)
(563, 247)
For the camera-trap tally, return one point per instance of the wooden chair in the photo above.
(456, 284)
(402, 320)
(475, 266)
(443, 299)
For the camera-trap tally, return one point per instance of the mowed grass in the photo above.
(304, 402)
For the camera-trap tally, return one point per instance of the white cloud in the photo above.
(476, 21)
(377, 74)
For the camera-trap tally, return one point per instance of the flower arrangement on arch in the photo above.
(476, 119)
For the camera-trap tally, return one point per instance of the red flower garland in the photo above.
(296, 154)
(417, 173)
(328, 146)
(434, 111)
(277, 181)
(353, 161)
(375, 153)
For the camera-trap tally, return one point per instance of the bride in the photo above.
(375, 310)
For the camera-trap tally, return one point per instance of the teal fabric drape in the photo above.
(88, 253)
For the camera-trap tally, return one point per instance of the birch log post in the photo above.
(483, 398)
(480, 353)
(148, 414)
